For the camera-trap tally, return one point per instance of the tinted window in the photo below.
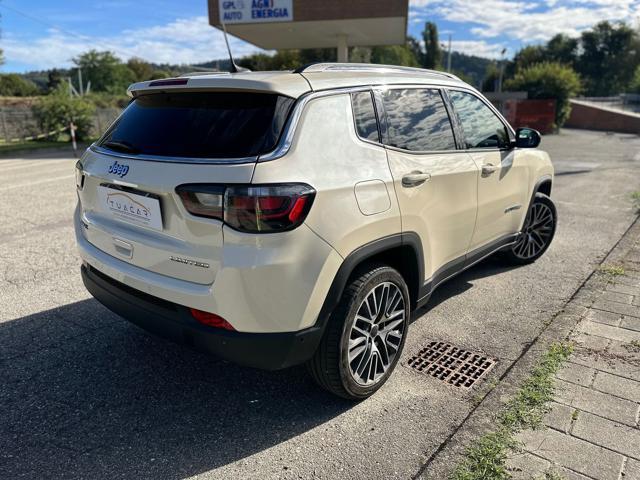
(200, 125)
(365, 116)
(482, 128)
(417, 120)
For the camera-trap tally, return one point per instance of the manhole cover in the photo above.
(453, 365)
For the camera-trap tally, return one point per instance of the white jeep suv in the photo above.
(277, 218)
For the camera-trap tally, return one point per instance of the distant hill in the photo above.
(471, 66)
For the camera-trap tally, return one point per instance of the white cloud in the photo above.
(185, 40)
(528, 21)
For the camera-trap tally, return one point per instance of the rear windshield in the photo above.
(200, 125)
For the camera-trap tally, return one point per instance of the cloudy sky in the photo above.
(40, 34)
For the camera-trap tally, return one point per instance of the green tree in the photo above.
(360, 55)
(141, 69)
(159, 74)
(58, 109)
(491, 76)
(549, 80)
(311, 55)
(433, 53)
(13, 85)
(609, 57)
(394, 55)
(416, 49)
(562, 49)
(105, 71)
(529, 55)
(54, 78)
(282, 60)
(634, 87)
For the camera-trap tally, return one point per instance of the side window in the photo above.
(365, 116)
(482, 128)
(418, 120)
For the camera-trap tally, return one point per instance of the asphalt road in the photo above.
(83, 394)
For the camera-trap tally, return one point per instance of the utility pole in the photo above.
(449, 56)
(80, 81)
(504, 50)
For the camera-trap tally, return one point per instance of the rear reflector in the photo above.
(210, 319)
(169, 82)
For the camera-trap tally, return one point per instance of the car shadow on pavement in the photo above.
(461, 283)
(84, 394)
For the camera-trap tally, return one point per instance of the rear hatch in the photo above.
(164, 139)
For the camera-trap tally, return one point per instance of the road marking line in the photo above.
(44, 163)
(31, 184)
(17, 175)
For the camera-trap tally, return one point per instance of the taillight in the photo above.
(203, 200)
(249, 208)
(210, 319)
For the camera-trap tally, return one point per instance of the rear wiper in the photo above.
(121, 146)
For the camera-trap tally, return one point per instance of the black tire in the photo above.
(537, 232)
(330, 366)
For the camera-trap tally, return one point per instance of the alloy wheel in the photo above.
(376, 333)
(536, 233)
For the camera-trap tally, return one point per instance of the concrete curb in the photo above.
(481, 420)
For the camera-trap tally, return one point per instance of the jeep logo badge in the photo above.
(119, 169)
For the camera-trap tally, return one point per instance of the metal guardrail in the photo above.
(625, 102)
(32, 137)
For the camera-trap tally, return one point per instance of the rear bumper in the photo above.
(268, 351)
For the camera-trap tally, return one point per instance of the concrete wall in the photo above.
(592, 116)
(20, 122)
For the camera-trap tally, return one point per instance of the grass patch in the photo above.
(486, 459)
(552, 475)
(632, 347)
(635, 196)
(575, 414)
(611, 270)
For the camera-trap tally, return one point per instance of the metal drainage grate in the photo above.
(452, 365)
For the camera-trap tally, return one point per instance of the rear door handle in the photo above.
(488, 169)
(414, 179)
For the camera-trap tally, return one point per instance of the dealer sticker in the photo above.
(131, 207)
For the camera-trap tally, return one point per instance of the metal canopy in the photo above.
(283, 24)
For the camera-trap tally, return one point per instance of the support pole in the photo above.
(343, 49)
(74, 145)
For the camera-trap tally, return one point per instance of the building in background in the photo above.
(284, 24)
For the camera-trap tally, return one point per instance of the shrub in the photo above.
(635, 82)
(549, 80)
(58, 109)
(13, 85)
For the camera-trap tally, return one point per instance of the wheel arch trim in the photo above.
(360, 256)
(542, 182)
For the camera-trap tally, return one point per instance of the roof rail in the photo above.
(368, 67)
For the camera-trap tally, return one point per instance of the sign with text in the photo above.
(255, 11)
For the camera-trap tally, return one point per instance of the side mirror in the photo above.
(527, 138)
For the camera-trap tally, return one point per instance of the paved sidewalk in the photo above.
(593, 426)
